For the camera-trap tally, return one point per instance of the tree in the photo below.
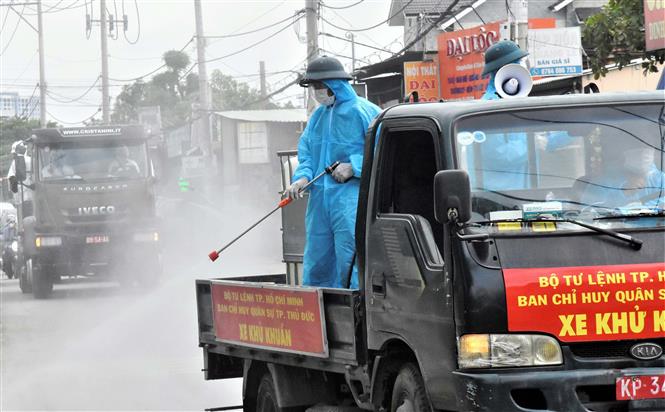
(175, 92)
(11, 130)
(172, 90)
(616, 34)
(229, 94)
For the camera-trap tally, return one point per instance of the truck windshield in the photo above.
(74, 161)
(602, 164)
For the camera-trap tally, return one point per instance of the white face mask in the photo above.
(638, 161)
(321, 96)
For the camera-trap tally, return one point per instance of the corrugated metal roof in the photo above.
(273, 115)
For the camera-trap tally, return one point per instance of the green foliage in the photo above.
(228, 94)
(616, 34)
(11, 130)
(174, 92)
(171, 90)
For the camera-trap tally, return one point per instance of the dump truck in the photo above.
(510, 256)
(87, 207)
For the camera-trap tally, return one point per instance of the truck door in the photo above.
(408, 297)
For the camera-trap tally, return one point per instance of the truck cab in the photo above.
(89, 209)
(510, 256)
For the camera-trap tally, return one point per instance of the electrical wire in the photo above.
(250, 46)
(370, 27)
(152, 71)
(29, 100)
(226, 36)
(4, 21)
(99, 109)
(257, 18)
(26, 67)
(18, 23)
(138, 23)
(56, 9)
(88, 90)
(341, 7)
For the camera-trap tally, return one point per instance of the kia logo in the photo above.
(646, 351)
(96, 210)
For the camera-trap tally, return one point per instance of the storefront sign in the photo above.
(273, 317)
(555, 52)
(588, 303)
(461, 61)
(422, 77)
(654, 24)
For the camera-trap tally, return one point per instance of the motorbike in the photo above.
(9, 252)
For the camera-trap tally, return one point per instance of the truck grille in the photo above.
(613, 349)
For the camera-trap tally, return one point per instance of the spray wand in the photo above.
(328, 170)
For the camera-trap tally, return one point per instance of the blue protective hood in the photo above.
(342, 89)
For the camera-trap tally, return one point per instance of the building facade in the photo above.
(14, 105)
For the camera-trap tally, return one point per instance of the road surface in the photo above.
(98, 346)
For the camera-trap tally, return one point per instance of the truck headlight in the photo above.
(146, 237)
(48, 241)
(506, 350)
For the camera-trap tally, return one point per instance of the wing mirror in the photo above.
(452, 196)
(19, 168)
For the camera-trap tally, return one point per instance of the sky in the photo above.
(73, 61)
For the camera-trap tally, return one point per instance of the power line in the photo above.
(29, 100)
(99, 109)
(355, 42)
(243, 49)
(341, 7)
(138, 22)
(226, 36)
(152, 71)
(56, 9)
(18, 22)
(77, 98)
(370, 27)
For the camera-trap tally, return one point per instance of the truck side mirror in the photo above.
(19, 168)
(452, 196)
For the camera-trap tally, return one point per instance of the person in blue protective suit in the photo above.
(636, 183)
(334, 132)
(505, 156)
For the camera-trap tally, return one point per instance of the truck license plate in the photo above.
(640, 387)
(96, 239)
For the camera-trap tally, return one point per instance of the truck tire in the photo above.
(23, 281)
(42, 282)
(409, 393)
(266, 395)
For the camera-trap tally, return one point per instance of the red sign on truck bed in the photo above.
(282, 318)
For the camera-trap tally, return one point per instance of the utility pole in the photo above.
(262, 78)
(352, 37)
(105, 62)
(311, 16)
(520, 22)
(204, 96)
(42, 69)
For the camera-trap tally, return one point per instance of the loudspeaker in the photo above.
(513, 80)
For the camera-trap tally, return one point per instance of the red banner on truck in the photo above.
(271, 317)
(588, 303)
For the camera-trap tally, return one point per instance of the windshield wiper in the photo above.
(635, 215)
(635, 243)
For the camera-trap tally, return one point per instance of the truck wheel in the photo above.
(24, 282)
(409, 394)
(266, 395)
(42, 282)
